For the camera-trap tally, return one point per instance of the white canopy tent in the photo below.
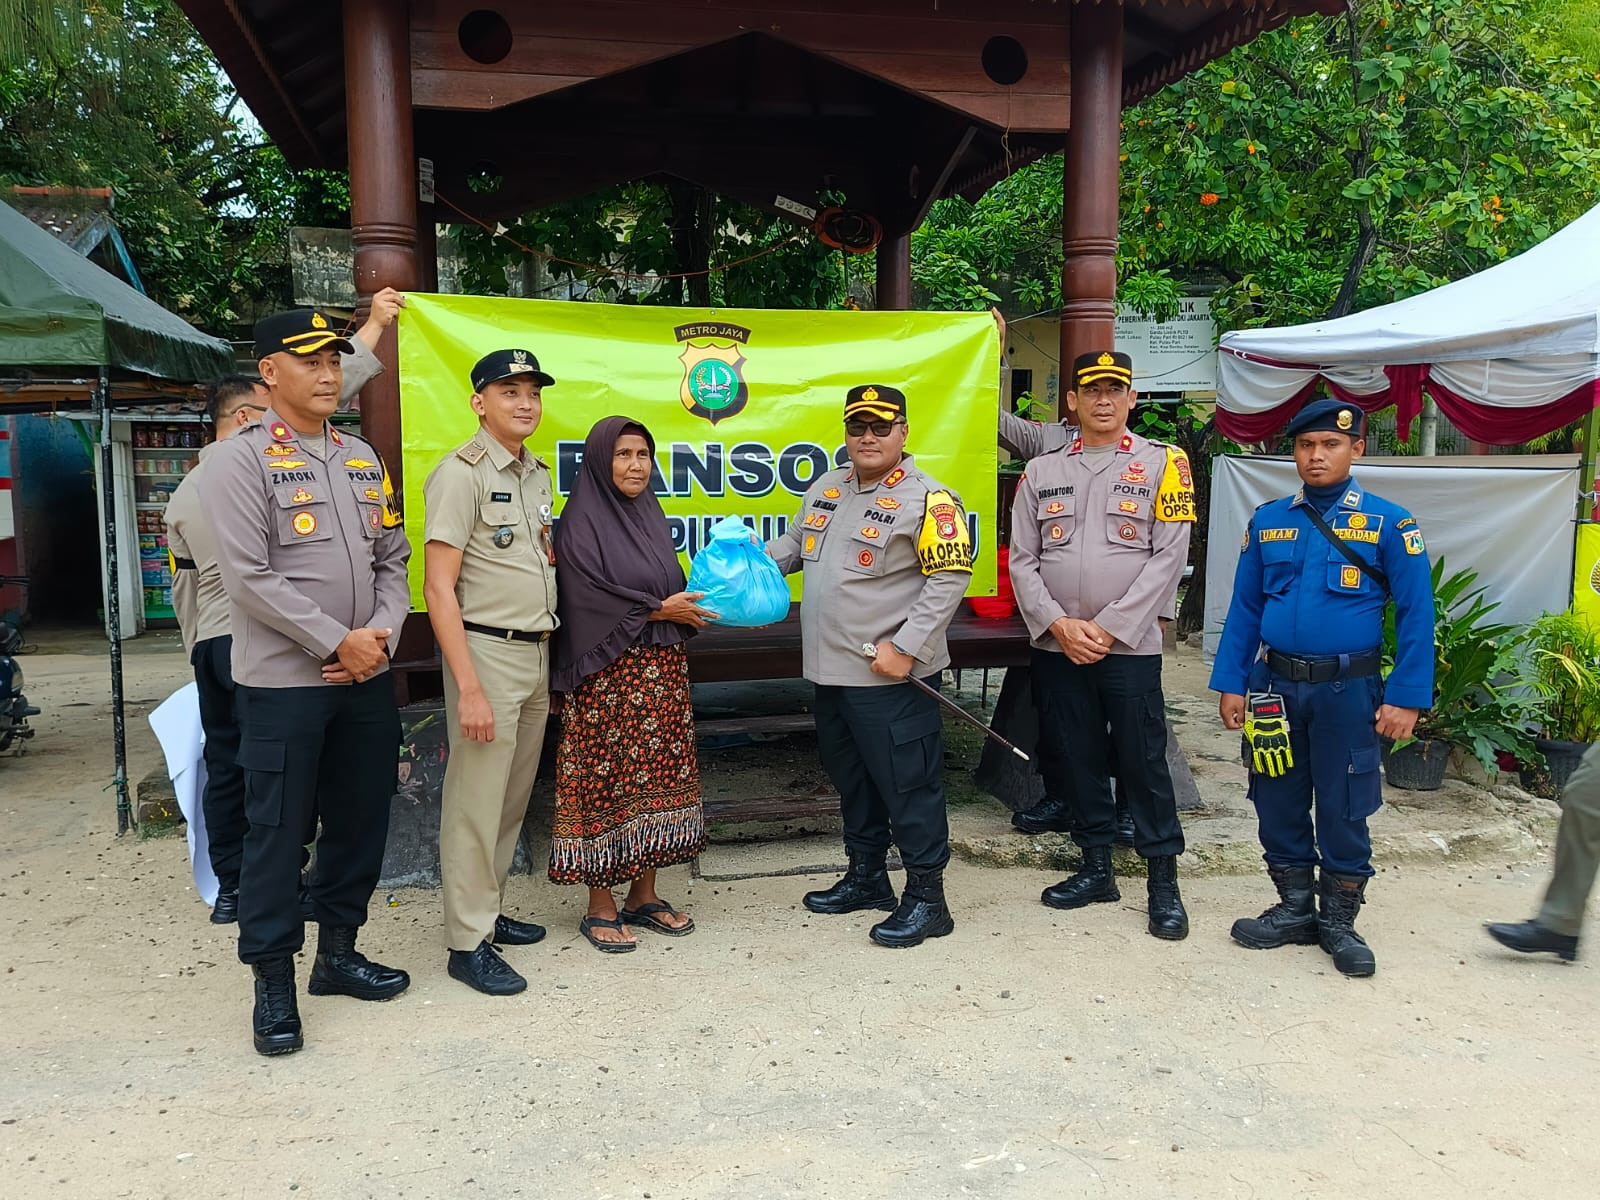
(1508, 354)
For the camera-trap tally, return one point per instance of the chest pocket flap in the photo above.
(302, 512)
(868, 546)
(1277, 561)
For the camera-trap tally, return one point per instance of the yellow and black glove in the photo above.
(1266, 732)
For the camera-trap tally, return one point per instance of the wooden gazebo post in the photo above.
(383, 189)
(1090, 183)
(894, 271)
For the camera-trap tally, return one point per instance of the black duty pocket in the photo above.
(918, 753)
(262, 763)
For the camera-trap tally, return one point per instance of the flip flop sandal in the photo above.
(587, 928)
(645, 915)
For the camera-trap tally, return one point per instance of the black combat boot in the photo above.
(1124, 834)
(226, 910)
(277, 1015)
(864, 885)
(922, 913)
(1342, 897)
(1530, 937)
(1093, 884)
(342, 970)
(1050, 815)
(1168, 920)
(1292, 921)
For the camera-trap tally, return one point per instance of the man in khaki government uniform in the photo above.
(887, 557)
(1099, 541)
(1560, 918)
(313, 557)
(491, 593)
(201, 604)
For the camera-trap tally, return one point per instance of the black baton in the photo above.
(871, 651)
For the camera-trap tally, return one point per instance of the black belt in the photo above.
(185, 564)
(1324, 669)
(505, 635)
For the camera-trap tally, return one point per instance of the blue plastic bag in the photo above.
(741, 584)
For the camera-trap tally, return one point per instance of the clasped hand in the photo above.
(360, 656)
(1084, 642)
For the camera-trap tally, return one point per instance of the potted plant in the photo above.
(1564, 654)
(1480, 701)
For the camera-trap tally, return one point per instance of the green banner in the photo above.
(745, 404)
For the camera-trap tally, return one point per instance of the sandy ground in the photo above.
(773, 1053)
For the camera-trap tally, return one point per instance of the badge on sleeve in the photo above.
(1413, 539)
(943, 543)
(304, 524)
(1175, 496)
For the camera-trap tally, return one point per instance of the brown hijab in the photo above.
(614, 565)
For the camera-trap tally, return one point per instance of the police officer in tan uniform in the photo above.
(313, 557)
(201, 605)
(887, 556)
(491, 593)
(1099, 541)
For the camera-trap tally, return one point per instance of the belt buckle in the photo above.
(511, 635)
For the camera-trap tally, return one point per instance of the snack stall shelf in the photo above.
(163, 453)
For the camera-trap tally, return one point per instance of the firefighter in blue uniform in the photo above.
(1298, 669)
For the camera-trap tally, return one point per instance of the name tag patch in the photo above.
(1277, 535)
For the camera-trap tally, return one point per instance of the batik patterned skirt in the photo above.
(627, 779)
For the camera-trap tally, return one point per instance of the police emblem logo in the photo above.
(811, 544)
(1127, 533)
(1185, 476)
(375, 518)
(944, 520)
(280, 432)
(870, 395)
(1055, 533)
(301, 496)
(1136, 466)
(713, 386)
(1128, 506)
(359, 464)
(318, 321)
(831, 493)
(1345, 419)
(372, 494)
(277, 451)
(1054, 507)
(503, 536)
(1358, 521)
(1350, 577)
(304, 524)
(865, 558)
(871, 531)
(1105, 359)
(894, 477)
(888, 502)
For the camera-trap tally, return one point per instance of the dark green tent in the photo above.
(59, 310)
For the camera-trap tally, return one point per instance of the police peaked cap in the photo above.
(1329, 416)
(1102, 364)
(507, 364)
(300, 331)
(874, 402)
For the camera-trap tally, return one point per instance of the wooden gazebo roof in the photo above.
(892, 102)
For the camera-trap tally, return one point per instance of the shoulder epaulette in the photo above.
(472, 452)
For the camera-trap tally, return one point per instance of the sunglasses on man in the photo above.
(879, 428)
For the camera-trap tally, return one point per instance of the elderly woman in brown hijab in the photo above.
(627, 779)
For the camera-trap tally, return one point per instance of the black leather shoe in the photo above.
(1530, 937)
(342, 970)
(864, 885)
(1342, 898)
(1292, 921)
(514, 933)
(1050, 815)
(1093, 884)
(276, 1019)
(1168, 920)
(485, 970)
(921, 914)
(226, 910)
